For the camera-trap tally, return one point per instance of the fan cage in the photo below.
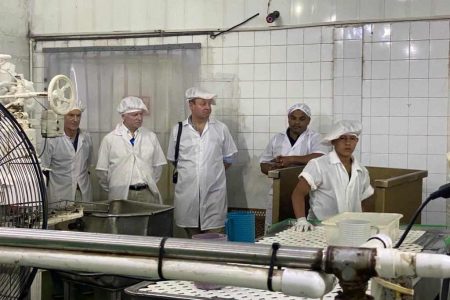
(23, 202)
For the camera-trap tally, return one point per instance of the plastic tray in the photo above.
(387, 223)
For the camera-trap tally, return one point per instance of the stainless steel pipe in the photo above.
(257, 254)
(293, 282)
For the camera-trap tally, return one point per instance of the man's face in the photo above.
(133, 120)
(72, 120)
(298, 121)
(345, 145)
(200, 108)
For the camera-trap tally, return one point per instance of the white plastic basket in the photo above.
(387, 223)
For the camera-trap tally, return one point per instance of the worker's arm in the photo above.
(102, 167)
(228, 161)
(298, 197)
(367, 191)
(365, 205)
(269, 166)
(103, 179)
(286, 161)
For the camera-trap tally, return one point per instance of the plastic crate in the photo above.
(260, 217)
(387, 223)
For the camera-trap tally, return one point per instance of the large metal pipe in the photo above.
(293, 282)
(205, 260)
(257, 254)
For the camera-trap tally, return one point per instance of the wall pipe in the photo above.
(30, 64)
(163, 33)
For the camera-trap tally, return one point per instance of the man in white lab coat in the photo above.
(67, 159)
(206, 150)
(130, 158)
(336, 182)
(295, 146)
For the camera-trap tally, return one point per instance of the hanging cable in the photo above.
(443, 191)
(214, 35)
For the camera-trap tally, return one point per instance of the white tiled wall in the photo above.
(392, 76)
(13, 33)
(272, 70)
(74, 16)
(405, 101)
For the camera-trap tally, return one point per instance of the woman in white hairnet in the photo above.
(295, 146)
(206, 150)
(67, 159)
(130, 158)
(336, 182)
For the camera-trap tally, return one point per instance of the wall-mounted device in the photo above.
(272, 16)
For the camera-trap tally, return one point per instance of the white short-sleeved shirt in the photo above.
(307, 143)
(332, 191)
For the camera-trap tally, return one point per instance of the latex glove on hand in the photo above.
(303, 225)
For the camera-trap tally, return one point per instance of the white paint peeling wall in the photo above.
(72, 16)
(13, 33)
(340, 72)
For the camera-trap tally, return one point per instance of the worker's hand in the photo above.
(303, 225)
(284, 161)
(275, 165)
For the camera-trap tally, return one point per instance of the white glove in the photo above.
(303, 225)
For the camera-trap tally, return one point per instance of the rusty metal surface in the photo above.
(353, 267)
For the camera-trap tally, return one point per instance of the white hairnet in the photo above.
(300, 106)
(78, 105)
(344, 127)
(131, 104)
(194, 93)
(5, 56)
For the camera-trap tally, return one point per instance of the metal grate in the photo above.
(317, 238)
(174, 289)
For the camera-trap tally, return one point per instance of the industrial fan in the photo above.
(23, 202)
(22, 197)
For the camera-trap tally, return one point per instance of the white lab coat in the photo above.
(307, 143)
(68, 168)
(201, 191)
(117, 156)
(332, 191)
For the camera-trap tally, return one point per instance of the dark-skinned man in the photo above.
(295, 146)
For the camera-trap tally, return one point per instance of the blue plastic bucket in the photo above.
(240, 226)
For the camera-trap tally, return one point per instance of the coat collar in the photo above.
(304, 133)
(189, 121)
(123, 130)
(334, 159)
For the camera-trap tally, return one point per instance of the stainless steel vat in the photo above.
(128, 217)
(120, 217)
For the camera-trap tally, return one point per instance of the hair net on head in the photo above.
(131, 104)
(194, 93)
(344, 127)
(300, 106)
(78, 105)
